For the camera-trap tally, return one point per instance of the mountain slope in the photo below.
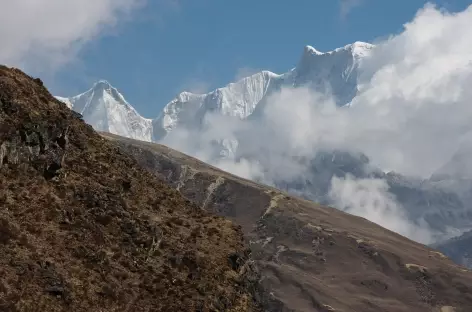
(310, 257)
(107, 110)
(84, 228)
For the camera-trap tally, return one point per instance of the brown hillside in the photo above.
(310, 257)
(83, 228)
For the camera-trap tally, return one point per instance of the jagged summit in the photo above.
(334, 71)
(102, 82)
(310, 50)
(103, 86)
(356, 48)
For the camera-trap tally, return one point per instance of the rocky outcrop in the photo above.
(84, 228)
(307, 257)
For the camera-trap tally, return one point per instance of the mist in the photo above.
(370, 198)
(410, 116)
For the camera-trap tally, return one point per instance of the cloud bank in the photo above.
(415, 93)
(371, 199)
(48, 33)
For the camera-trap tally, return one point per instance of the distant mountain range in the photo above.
(435, 203)
(107, 110)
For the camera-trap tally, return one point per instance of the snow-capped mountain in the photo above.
(336, 71)
(106, 109)
(237, 99)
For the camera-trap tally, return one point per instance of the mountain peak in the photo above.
(358, 48)
(104, 107)
(312, 51)
(336, 69)
(102, 85)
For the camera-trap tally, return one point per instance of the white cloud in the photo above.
(48, 33)
(418, 99)
(370, 198)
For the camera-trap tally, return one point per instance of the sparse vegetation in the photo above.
(83, 228)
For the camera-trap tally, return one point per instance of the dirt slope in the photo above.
(314, 258)
(84, 228)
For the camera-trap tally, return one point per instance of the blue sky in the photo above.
(165, 48)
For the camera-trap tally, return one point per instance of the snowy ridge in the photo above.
(357, 49)
(237, 99)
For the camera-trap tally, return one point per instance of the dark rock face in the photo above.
(84, 228)
(312, 258)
